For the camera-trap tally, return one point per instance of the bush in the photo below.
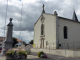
(39, 54)
(28, 52)
(10, 52)
(22, 52)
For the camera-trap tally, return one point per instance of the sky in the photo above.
(23, 29)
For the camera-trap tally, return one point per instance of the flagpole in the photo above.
(20, 23)
(4, 26)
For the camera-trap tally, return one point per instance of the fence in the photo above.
(74, 45)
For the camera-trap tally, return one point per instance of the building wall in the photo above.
(37, 33)
(73, 34)
(49, 31)
(19, 43)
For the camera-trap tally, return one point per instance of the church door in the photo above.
(42, 43)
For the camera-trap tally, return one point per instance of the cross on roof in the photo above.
(43, 6)
(43, 9)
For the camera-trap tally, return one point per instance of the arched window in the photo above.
(42, 29)
(65, 32)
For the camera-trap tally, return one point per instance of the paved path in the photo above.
(33, 56)
(29, 57)
(1, 55)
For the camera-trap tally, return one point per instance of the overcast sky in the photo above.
(30, 13)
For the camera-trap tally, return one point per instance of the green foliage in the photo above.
(10, 52)
(22, 52)
(24, 42)
(31, 42)
(14, 41)
(28, 52)
(39, 54)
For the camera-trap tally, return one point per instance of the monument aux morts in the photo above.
(8, 41)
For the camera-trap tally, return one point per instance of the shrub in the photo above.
(28, 52)
(39, 54)
(10, 52)
(22, 52)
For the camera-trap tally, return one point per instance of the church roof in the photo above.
(74, 19)
(58, 17)
(74, 16)
(68, 19)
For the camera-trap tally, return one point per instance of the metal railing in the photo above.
(72, 46)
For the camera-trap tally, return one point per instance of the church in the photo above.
(55, 32)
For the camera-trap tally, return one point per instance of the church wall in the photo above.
(37, 33)
(73, 34)
(50, 31)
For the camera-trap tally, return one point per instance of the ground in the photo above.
(33, 56)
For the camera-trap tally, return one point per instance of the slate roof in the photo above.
(74, 16)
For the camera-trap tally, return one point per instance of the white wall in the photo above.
(37, 33)
(73, 33)
(19, 43)
(49, 31)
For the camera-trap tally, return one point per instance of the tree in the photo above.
(14, 41)
(31, 42)
(24, 42)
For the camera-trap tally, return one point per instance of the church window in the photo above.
(65, 32)
(42, 29)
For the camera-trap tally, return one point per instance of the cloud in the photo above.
(31, 11)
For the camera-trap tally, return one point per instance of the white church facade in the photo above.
(52, 31)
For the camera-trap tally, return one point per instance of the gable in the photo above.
(43, 14)
(38, 19)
